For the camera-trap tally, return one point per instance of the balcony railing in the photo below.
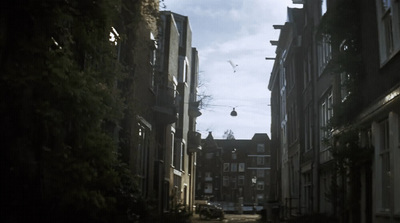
(194, 139)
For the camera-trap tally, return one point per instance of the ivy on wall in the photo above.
(342, 23)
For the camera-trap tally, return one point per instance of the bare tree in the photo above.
(229, 135)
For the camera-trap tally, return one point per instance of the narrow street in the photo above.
(230, 218)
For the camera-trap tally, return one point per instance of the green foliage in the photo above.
(59, 107)
(342, 24)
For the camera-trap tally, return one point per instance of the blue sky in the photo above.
(240, 31)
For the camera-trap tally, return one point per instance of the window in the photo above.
(233, 180)
(225, 181)
(267, 178)
(388, 16)
(307, 68)
(172, 137)
(178, 155)
(384, 161)
(324, 53)
(209, 155)
(260, 160)
(326, 113)
(183, 152)
(260, 173)
(260, 148)
(241, 167)
(241, 180)
(260, 185)
(234, 156)
(142, 155)
(268, 161)
(207, 176)
(233, 167)
(307, 202)
(226, 167)
(153, 58)
(208, 188)
(183, 69)
(260, 198)
(344, 90)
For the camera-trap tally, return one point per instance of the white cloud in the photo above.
(237, 30)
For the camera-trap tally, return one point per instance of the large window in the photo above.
(344, 90)
(384, 162)
(178, 155)
(142, 153)
(326, 113)
(324, 53)
(388, 28)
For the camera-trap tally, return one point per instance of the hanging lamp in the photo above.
(233, 113)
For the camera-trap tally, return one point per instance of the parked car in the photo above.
(210, 211)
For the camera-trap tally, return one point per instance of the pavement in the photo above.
(237, 218)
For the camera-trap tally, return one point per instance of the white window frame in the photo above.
(388, 19)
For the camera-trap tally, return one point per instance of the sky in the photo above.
(238, 31)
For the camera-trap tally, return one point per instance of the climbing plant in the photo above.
(58, 111)
(342, 24)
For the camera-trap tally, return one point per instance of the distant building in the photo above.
(234, 171)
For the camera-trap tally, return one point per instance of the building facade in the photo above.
(234, 173)
(340, 58)
(179, 65)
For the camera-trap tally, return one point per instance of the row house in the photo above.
(179, 69)
(158, 134)
(335, 102)
(234, 172)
